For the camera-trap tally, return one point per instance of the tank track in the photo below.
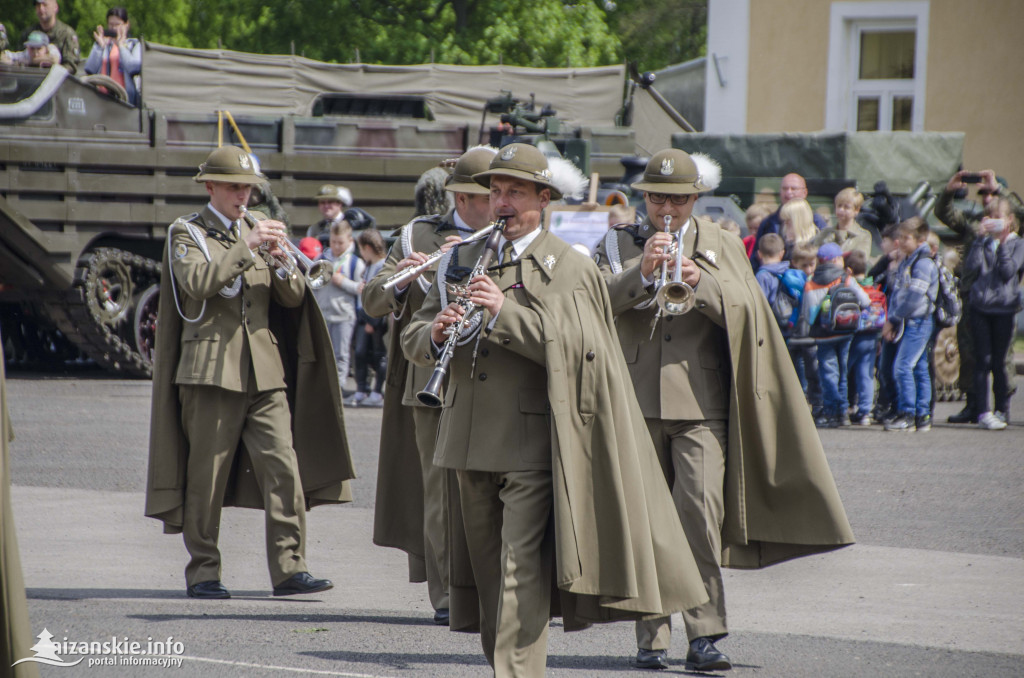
(98, 312)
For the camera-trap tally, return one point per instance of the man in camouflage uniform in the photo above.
(59, 33)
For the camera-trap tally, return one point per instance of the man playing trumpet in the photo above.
(743, 461)
(226, 368)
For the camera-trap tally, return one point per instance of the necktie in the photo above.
(506, 253)
(234, 229)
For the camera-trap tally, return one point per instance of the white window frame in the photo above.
(848, 20)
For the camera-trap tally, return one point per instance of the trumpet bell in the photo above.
(319, 274)
(675, 298)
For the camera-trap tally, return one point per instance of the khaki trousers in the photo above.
(214, 421)
(692, 455)
(511, 548)
(435, 506)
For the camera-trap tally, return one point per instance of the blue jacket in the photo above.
(768, 278)
(996, 271)
(915, 288)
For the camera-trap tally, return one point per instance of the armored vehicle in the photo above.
(88, 183)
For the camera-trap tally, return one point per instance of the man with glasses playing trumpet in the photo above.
(411, 508)
(234, 312)
(715, 383)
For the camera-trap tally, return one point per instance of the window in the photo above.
(876, 66)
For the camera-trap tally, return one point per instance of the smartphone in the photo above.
(994, 225)
(970, 178)
(110, 32)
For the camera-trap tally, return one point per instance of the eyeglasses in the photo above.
(660, 198)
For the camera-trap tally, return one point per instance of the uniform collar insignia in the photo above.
(549, 261)
(712, 257)
(667, 166)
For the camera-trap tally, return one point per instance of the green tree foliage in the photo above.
(539, 33)
(659, 33)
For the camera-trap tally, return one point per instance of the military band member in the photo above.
(715, 384)
(549, 448)
(229, 332)
(410, 509)
(16, 638)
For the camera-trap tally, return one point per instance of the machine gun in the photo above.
(521, 122)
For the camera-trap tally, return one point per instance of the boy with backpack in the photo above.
(864, 347)
(769, 277)
(830, 314)
(911, 308)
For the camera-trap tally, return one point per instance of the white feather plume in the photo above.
(709, 170)
(567, 178)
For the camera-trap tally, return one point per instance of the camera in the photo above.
(970, 178)
(110, 32)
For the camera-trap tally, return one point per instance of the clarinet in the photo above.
(431, 393)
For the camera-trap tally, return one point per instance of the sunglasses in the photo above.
(660, 198)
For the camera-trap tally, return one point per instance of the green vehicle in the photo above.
(89, 184)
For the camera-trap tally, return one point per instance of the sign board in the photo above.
(578, 224)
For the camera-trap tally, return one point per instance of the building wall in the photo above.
(974, 70)
(976, 82)
(788, 65)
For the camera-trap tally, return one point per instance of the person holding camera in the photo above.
(115, 55)
(995, 263)
(964, 222)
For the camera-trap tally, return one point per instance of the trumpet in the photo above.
(317, 273)
(673, 297)
(431, 393)
(413, 271)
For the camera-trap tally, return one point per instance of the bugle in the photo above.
(317, 273)
(413, 271)
(431, 393)
(673, 297)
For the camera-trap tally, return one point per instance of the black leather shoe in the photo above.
(303, 582)
(964, 416)
(208, 589)
(704, 656)
(651, 659)
(441, 616)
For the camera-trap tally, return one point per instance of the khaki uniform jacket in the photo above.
(15, 628)
(398, 509)
(277, 327)
(620, 549)
(781, 500)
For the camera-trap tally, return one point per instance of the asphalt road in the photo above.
(934, 586)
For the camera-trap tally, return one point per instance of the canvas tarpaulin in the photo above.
(202, 81)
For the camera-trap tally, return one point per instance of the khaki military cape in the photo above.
(781, 500)
(15, 628)
(398, 507)
(620, 550)
(314, 396)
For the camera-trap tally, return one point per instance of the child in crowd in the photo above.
(847, 233)
(805, 354)
(882, 273)
(864, 347)
(339, 297)
(755, 215)
(996, 263)
(797, 224)
(370, 351)
(911, 307)
(833, 349)
(620, 215)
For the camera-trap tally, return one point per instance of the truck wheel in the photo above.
(145, 321)
(946, 361)
(100, 313)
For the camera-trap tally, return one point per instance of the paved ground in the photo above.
(934, 587)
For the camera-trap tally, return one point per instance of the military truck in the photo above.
(88, 183)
